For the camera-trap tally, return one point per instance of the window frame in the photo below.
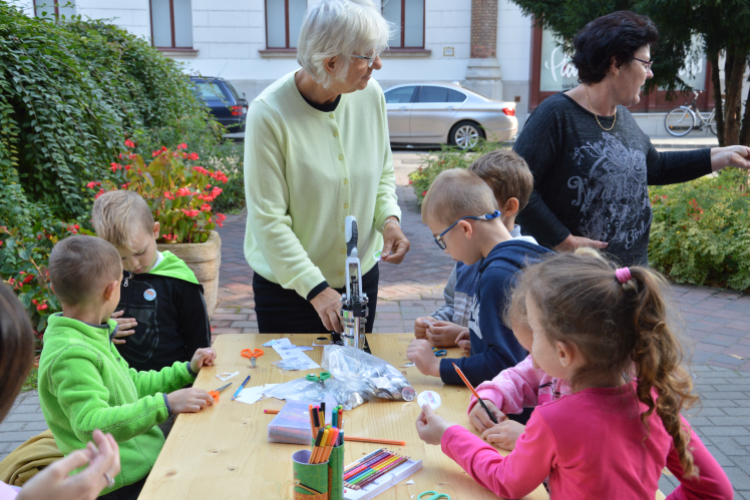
(55, 5)
(173, 47)
(286, 47)
(654, 101)
(402, 28)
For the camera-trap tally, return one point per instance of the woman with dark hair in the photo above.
(591, 162)
(54, 482)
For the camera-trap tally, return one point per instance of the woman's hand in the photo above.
(479, 418)
(395, 244)
(54, 481)
(505, 434)
(126, 327)
(328, 305)
(570, 244)
(731, 156)
(431, 427)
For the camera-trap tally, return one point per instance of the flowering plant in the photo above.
(178, 191)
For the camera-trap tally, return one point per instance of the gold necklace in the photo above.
(586, 88)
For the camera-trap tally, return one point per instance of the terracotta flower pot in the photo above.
(204, 259)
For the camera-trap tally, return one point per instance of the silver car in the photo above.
(432, 113)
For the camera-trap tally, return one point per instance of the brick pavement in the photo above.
(717, 324)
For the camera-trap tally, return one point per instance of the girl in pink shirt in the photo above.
(606, 332)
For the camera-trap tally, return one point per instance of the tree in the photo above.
(719, 23)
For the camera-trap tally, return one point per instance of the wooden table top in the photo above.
(223, 452)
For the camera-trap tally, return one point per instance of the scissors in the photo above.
(435, 495)
(319, 378)
(439, 352)
(252, 354)
(215, 394)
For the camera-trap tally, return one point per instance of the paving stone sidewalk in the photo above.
(717, 324)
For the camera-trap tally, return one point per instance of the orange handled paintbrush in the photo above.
(474, 392)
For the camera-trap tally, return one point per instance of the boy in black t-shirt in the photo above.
(161, 314)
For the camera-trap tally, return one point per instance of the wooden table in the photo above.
(223, 453)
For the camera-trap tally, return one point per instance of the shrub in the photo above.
(448, 157)
(178, 192)
(228, 158)
(701, 231)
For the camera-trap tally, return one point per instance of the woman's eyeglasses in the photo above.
(439, 237)
(370, 59)
(646, 64)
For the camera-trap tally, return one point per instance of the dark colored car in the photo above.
(228, 106)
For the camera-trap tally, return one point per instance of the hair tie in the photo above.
(623, 275)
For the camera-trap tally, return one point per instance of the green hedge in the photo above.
(701, 231)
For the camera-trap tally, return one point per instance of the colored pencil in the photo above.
(341, 418)
(329, 448)
(316, 420)
(239, 389)
(372, 469)
(349, 473)
(271, 412)
(318, 439)
(394, 465)
(334, 418)
(374, 440)
(363, 460)
(474, 392)
(323, 417)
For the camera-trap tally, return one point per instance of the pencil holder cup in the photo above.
(310, 480)
(336, 473)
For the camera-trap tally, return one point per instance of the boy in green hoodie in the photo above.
(84, 384)
(162, 313)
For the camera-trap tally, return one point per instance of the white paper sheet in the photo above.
(250, 395)
(289, 351)
(226, 376)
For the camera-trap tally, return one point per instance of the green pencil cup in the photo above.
(310, 480)
(336, 473)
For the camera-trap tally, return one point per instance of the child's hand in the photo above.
(479, 418)
(420, 353)
(420, 326)
(464, 342)
(202, 357)
(431, 426)
(444, 333)
(126, 327)
(191, 400)
(505, 434)
(54, 481)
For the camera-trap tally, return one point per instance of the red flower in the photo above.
(220, 176)
(208, 186)
(183, 192)
(128, 167)
(101, 192)
(114, 167)
(206, 207)
(168, 195)
(190, 213)
(201, 170)
(129, 143)
(192, 156)
(424, 193)
(125, 186)
(34, 301)
(28, 279)
(76, 227)
(93, 184)
(219, 219)
(182, 146)
(42, 307)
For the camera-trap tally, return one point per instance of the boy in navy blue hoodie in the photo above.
(461, 211)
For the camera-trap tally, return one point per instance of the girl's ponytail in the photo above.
(663, 384)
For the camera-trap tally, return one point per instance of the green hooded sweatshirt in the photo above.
(171, 266)
(84, 384)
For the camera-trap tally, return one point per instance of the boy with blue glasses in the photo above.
(461, 211)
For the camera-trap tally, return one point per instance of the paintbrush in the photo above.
(474, 392)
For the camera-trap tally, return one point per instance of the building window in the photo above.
(53, 9)
(284, 22)
(172, 24)
(408, 18)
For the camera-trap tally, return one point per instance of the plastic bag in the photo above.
(380, 378)
(348, 394)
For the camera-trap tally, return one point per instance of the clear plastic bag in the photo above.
(348, 394)
(381, 379)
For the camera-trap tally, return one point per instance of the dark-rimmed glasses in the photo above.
(646, 64)
(439, 238)
(370, 59)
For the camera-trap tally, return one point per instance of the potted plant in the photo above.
(180, 193)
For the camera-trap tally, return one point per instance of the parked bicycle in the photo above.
(681, 121)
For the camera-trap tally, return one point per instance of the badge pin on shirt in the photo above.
(149, 294)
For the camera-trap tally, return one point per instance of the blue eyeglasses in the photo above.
(439, 237)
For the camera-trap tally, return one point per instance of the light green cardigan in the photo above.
(84, 384)
(305, 171)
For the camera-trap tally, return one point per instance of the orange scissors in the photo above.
(252, 354)
(215, 394)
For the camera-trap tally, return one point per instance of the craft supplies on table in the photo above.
(215, 394)
(376, 472)
(239, 389)
(291, 357)
(292, 423)
(253, 354)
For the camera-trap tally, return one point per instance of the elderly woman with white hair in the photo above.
(316, 151)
